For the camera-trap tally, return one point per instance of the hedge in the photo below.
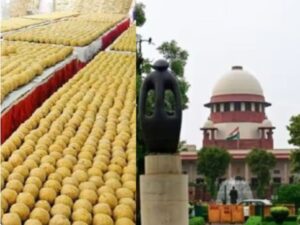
(197, 221)
(254, 220)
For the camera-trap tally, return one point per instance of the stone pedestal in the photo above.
(164, 191)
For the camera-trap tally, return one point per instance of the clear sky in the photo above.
(261, 35)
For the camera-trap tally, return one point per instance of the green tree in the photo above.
(289, 193)
(182, 146)
(177, 58)
(139, 14)
(295, 161)
(212, 163)
(260, 163)
(294, 129)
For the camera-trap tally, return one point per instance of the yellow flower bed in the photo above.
(127, 41)
(74, 159)
(69, 32)
(17, 23)
(22, 61)
(52, 16)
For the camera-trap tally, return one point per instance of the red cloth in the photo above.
(23, 109)
(108, 38)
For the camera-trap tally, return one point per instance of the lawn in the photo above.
(284, 223)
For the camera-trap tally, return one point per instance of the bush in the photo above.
(291, 219)
(254, 220)
(298, 211)
(205, 211)
(197, 221)
(298, 220)
(279, 213)
(289, 193)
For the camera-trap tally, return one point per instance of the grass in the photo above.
(284, 223)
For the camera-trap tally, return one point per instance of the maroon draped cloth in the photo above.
(108, 38)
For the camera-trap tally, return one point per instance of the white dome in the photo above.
(237, 81)
(208, 124)
(267, 123)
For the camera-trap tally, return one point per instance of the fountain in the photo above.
(242, 187)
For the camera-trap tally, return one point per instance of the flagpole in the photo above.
(238, 140)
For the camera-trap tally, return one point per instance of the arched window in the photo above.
(226, 107)
(248, 106)
(217, 107)
(256, 107)
(237, 106)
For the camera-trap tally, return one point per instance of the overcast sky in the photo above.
(261, 35)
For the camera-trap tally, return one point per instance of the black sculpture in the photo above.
(161, 130)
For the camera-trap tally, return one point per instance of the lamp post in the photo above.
(139, 58)
(163, 187)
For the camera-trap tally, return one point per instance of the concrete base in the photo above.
(163, 164)
(164, 196)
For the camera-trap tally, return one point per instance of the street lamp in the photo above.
(139, 41)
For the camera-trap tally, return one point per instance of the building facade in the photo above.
(238, 123)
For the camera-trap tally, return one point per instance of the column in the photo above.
(252, 106)
(212, 134)
(222, 107)
(164, 191)
(230, 170)
(285, 173)
(243, 106)
(246, 172)
(231, 106)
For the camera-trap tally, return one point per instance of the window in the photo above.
(277, 180)
(248, 106)
(237, 106)
(226, 107)
(199, 181)
(217, 107)
(254, 182)
(256, 107)
(276, 171)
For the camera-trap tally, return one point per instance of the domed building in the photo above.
(237, 113)
(238, 123)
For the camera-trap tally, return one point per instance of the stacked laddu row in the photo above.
(21, 62)
(17, 23)
(52, 16)
(74, 160)
(105, 6)
(127, 41)
(101, 17)
(68, 32)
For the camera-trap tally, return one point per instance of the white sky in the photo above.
(261, 35)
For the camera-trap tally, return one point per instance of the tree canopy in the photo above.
(139, 14)
(177, 58)
(294, 130)
(212, 163)
(260, 163)
(289, 193)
